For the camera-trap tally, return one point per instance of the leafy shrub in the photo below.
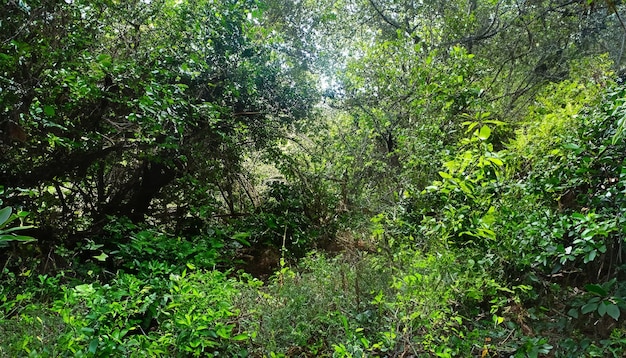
(183, 314)
(289, 217)
(326, 302)
(148, 245)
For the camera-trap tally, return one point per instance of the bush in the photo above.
(186, 314)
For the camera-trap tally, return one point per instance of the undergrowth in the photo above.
(515, 250)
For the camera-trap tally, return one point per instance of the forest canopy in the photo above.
(307, 178)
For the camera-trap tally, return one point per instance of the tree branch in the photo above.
(389, 21)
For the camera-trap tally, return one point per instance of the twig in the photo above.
(507, 337)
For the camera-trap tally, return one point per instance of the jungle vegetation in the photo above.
(312, 178)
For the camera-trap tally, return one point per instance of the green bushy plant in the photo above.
(289, 213)
(110, 319)
(317, 308)
(149, 245)
(171, 313)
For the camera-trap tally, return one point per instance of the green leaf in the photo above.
(484, 133)
(445, 175)
(223, 332)
(470, 126)
(101, 257)
(486, 233)
(87, 330)
(573, 313)
(241, 237)
(571, 146)
(602, 308)
(496, 161)
(596, 289)
(23, 238)
(240, 337)
(5, 213)
(589, 307)
(49, 110)
(495, 122)
(17, 228)
(497, 319)
(93, 346)
(467, 189)
(590, 256)
(613, 311)
(22, 214)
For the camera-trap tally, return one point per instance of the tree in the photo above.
(133, 108)
(410, 73)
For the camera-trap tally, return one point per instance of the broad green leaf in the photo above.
(589, 307)
(602, 308)
(93, 346)
(241, 337)
(5, 213)
(489, 218)
(596, 289)
(573, 313)
(445, 175)
(613, 311)
(484, 133)
(590, 256)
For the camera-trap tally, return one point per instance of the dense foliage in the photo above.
(285, 178)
